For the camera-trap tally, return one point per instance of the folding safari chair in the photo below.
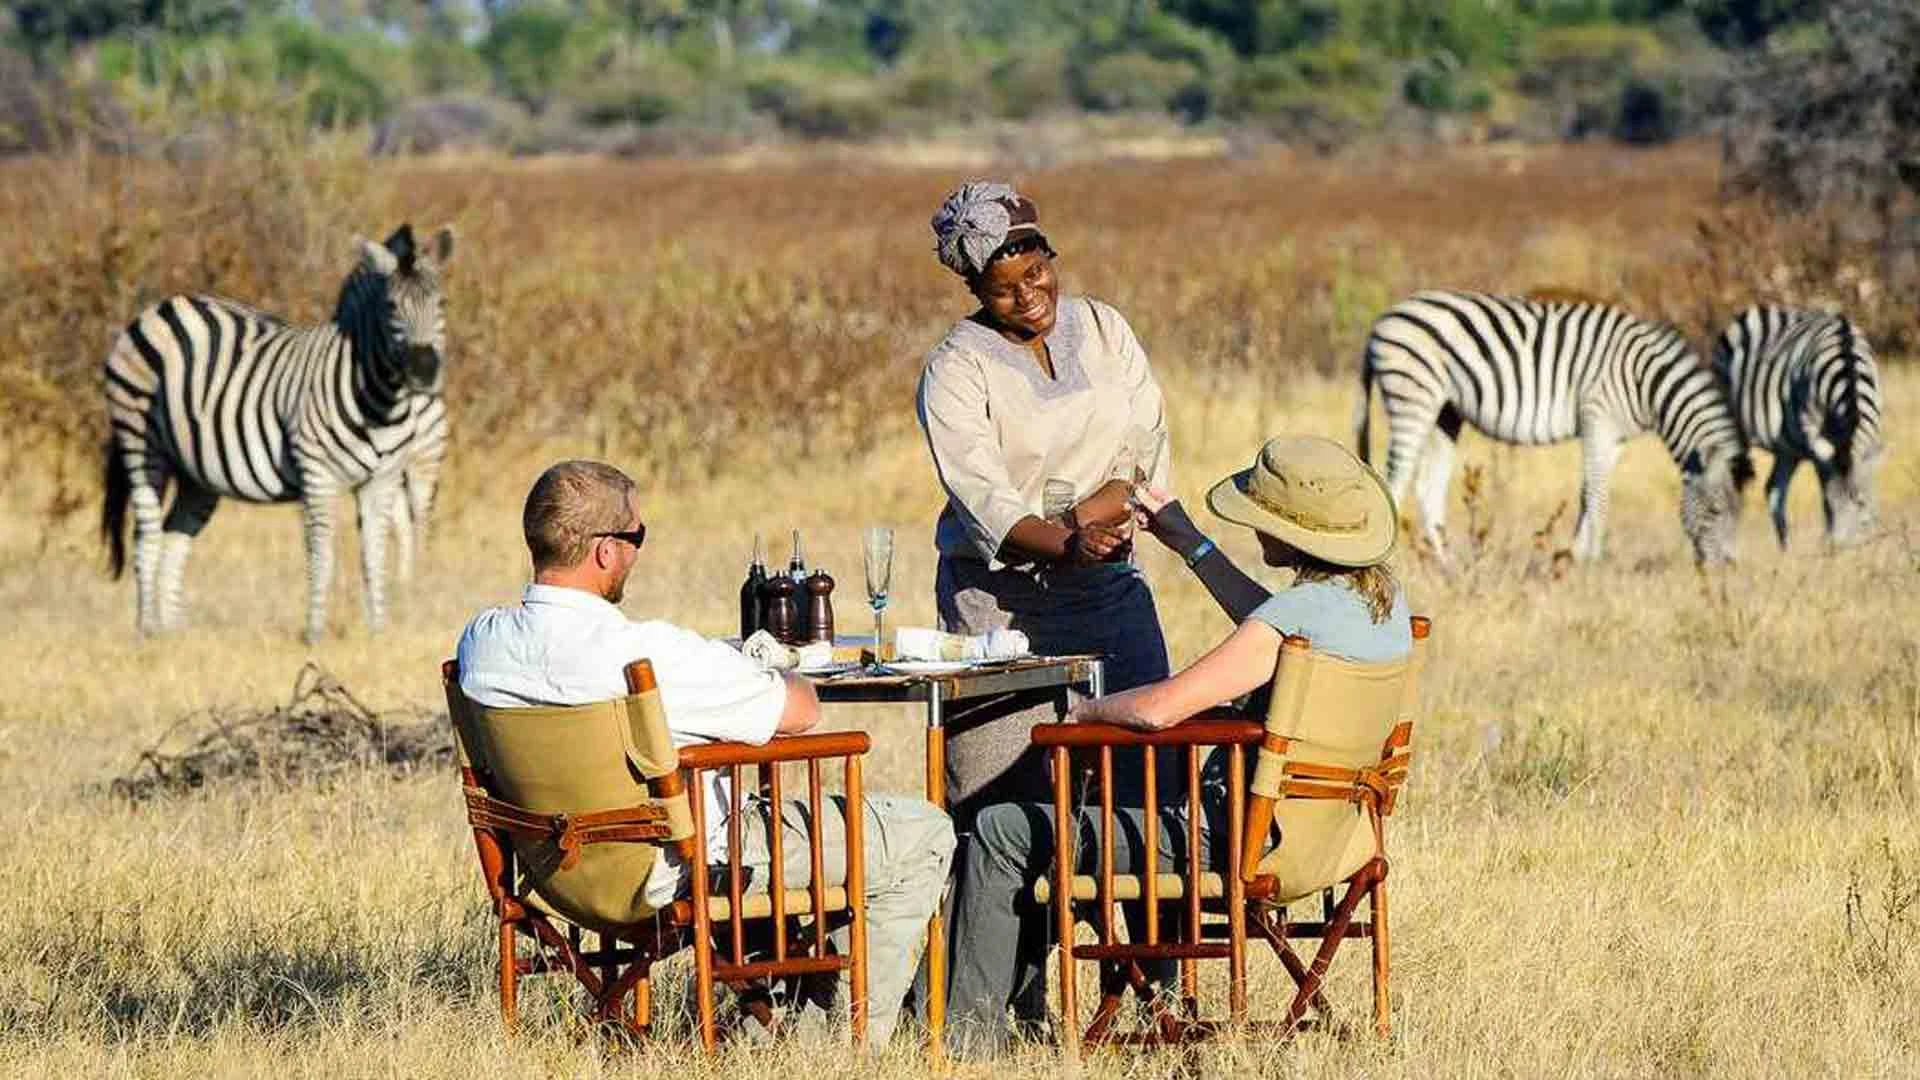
(1332, 755)
(572, 806)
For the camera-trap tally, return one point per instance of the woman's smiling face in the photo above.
(1020, 293)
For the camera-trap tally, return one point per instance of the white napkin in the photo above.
(915, 643)
(770, 653)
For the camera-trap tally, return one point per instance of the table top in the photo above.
(1026, 673)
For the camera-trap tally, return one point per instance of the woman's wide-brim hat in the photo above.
(1313, 494)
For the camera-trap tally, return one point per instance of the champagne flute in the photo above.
(876, 546)
(1056, 499)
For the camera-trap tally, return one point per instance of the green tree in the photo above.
(535, 49)
(43, 26)
(1743, 23)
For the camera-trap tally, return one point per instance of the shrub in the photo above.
(1134, 81)
(443, 123)
(642, 96)
(818, 105)
(1438, 84)
(1031, 81)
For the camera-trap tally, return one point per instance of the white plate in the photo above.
(928, 667)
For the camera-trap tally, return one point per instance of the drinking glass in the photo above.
(876, 545)
(1056, 498)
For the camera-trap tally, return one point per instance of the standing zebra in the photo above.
(1805, 387)
(420, 477)
(1544, 371)
(217, 398)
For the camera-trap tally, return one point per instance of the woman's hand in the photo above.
(1118, 710)
(1162, 516)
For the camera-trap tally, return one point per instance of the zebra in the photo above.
(420, 478)
(1539, 371)
(1805, 387)
(217, 398)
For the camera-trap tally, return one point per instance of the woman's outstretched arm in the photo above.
(1235, 592)
(1237, 665)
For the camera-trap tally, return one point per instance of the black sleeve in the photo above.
(1235, 592)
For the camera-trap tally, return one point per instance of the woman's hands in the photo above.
(1120, 710)
(1160, 514)
(1102, 524)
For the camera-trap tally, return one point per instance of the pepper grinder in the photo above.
(783, 613)
(820, 607)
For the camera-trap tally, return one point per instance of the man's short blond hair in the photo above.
(571, 503)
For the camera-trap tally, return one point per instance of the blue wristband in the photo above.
(1201, 552)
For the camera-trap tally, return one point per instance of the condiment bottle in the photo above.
(751, 611)
(797, 573)
(820, 607)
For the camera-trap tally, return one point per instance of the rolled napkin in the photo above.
(914, 643)
(770, 653)
(767, 651)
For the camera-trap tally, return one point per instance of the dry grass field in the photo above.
(1659, 823)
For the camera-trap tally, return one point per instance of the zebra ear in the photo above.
(401, 244)
(442, 249)
(376, 258)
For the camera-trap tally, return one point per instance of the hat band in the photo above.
(1303, 519)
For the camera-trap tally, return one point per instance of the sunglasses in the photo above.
(636, 537)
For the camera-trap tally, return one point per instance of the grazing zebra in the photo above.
(217, 399)
(1544, 371)
(1805, 388)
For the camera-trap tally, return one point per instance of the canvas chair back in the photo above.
(1334, 753)
(582, 766)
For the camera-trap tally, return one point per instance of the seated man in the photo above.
(566, 643)
(1318, 511)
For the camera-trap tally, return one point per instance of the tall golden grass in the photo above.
(1659, 823)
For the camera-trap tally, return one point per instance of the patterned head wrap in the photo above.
(979, 219)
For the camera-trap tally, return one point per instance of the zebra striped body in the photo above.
(1805, 387)
(217, 399)
(1535, 372)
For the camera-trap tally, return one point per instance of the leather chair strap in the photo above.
(643, 823)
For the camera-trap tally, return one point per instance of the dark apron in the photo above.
(1105, 609)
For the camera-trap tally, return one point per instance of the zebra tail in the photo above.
(113, 516)
(1363, 413)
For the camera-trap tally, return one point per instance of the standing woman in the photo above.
(1034, 386)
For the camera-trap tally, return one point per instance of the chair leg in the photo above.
(643, 1002)
(703, 987)
(1336, 932)
(1063, 868)
(509, 978)
(1381, 1006)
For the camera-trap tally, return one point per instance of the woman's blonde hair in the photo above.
(1375, 584)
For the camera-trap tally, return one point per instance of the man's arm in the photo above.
(802, 709)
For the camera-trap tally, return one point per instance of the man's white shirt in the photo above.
(562, 646)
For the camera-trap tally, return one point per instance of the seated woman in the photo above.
(1319, 512)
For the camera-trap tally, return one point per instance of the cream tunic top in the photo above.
(999, 429)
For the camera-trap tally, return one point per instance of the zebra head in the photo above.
(406, 324)
(1847, 469)
(1710, 495)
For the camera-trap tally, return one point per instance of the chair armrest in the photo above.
(1211, 728)
(781, 748)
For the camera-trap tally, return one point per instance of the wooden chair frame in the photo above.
(1242, 897)
(620, 965)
